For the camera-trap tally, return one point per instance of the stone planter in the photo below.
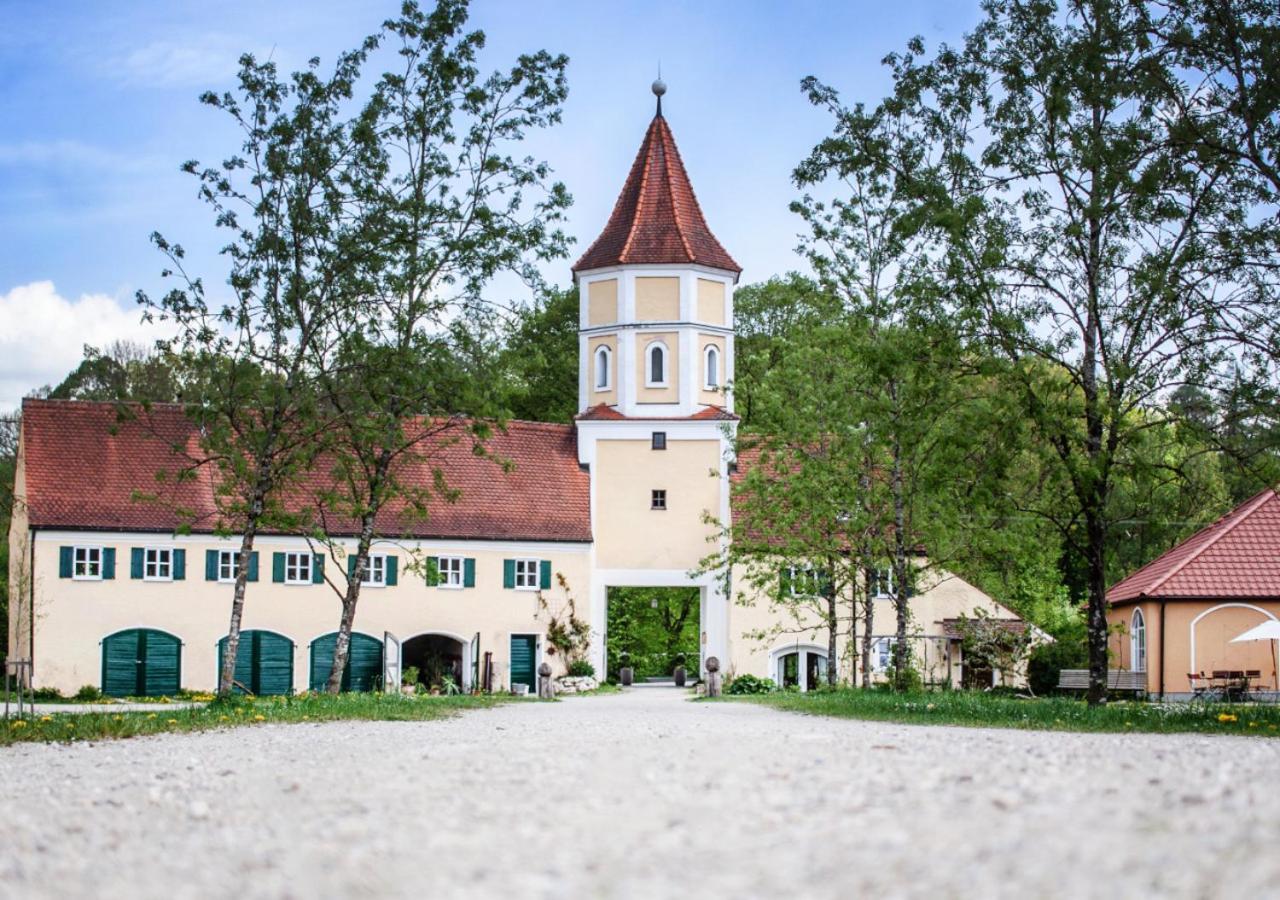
(575, 684)
(680, 675)
(626, 675)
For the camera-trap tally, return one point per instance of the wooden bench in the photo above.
(1117, 680)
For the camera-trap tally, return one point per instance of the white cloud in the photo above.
(42, 335)
(206, 60)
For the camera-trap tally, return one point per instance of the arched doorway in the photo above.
(802, 666)
(437, 655)
(364, 662)
(141, 662)
(264, 662)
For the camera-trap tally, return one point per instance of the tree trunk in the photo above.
(342, 644)
(900, 648)
(834, 628)
(227, 674)
(869, 616)
(1097, 610)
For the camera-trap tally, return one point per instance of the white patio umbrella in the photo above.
(1267, 631)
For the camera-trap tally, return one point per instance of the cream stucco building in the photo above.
(132, 594)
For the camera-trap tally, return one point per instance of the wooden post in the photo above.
(713, 676)
(546, 687)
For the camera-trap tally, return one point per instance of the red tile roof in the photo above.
(86, 466)
(1237, 556)
(657, 218)
(603, 412)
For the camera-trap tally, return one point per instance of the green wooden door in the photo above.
(141, 662)
(364, 662)
(264, 662)
(524, 654)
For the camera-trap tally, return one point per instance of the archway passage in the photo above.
(658, 628)
(141, 662)
(364, 662)
(264, 663)
(435, 657)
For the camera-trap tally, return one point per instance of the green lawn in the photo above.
(238, 712)
(981, 710)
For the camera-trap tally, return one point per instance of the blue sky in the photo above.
(98, 109)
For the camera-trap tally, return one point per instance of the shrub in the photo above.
(1048, 660)
(750, 684)
(47, 693)
(580, 668)
(88, 693)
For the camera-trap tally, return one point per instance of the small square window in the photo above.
(450, 570)
(659, 440)
(228, 565)
(157, 564)
(297, 568)
(659, 500)
(88, 563)
(375, 573)
(527, 574)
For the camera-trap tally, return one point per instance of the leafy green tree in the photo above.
(1074, 234)
(124, 371)
(540, 359)
(447, 204)
(653, 626)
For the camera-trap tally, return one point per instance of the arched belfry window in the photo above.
(655, 365)
(1138, 642)
(602, 374)
(711, 367)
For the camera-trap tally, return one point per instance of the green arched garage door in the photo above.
(364, 664)
(141, 662)
(264, 662)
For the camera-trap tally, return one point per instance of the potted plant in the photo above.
(679, 673)
(626, 674)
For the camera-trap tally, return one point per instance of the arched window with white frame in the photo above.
(711, 367)
(1138, 642)
(655, 365)
(603, 379)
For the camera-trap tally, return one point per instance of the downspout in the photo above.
(31, 612)
(1162, 665)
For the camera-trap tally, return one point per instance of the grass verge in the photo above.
(980, 710)
(237, 712)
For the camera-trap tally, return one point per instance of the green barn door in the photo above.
(141, 662)
(364, 662)
(524, 654)
(264, 662)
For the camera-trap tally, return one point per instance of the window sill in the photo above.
(307, 583)
(86, 578)
(451, 587)
(156, 579)
(526, 589)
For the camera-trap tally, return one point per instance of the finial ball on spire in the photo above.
(659, 87)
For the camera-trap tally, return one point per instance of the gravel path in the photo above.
(641, 795)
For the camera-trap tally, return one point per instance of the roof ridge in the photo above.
(642, 160)
(676, 210)
(1244, 510)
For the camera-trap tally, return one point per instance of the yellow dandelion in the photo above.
(222, 719)
(172, 721)
(1253, 724)
(117, 718)
(1226, 717)
(18, 723)
(151, 715)
(259, 718)
(46, 718)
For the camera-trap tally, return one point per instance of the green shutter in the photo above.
(211, 565)
(135, 562)
(317, 569)
(351, 566)
(179, 565)
(544, 574)
(253, 565)
(433, 571)
(66, 561)
(468, 572)
(508, 573)
(392, 575)
(784, 581)
(277, 568)
(108, 563)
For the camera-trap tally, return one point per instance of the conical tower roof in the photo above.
(657, 219)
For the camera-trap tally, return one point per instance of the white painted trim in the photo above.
(87, 548)
(649, 347)
(707, 352)
(310, 568)
(537, 574)
(658, 269)
(467, 661)
(158, 549)
(462, 572)
(1212, 609)
(1133, 640)
(602, 350)
(803, 649)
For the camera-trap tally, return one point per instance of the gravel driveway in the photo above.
(641, 795)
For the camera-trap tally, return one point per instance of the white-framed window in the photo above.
(157, 564)
(228, 565)
(882, 654)
(375, 573)
(87, 563)
(655, 365)
(882, 584)
(450, 569)
(527, 574)
(711, 367)
(1138, 642)
(602, 374)
(803, 581)
(297, 568)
